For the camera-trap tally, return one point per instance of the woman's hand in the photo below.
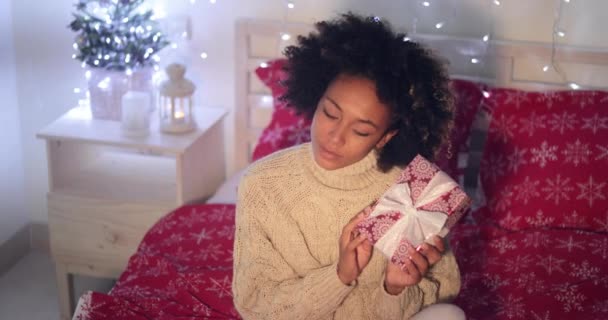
(355, 250)
(415, 268)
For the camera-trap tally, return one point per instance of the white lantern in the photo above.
(175, 101)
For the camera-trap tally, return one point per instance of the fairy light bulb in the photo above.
(129, 71)
(561, 33)
(212, 1)
(486, 38)
(474, 60)
(263, 65)
(406, 39)
(285, 37)
(75, 46)
(87, 74)
(486, 93)
(204, 55)
(76, 90)
(574, 86)
(290, 5)
(546, 68)
(439, 25)
(496, 2)
(426, 3)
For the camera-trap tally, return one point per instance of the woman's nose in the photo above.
(337, 135)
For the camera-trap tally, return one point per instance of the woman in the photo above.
(376, 100)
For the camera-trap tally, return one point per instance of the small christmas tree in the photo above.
(115, 35)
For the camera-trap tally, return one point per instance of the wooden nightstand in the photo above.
(106, 190)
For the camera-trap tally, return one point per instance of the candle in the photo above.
(135, 113)
(179, 116)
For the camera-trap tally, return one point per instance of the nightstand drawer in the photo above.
(98, 232)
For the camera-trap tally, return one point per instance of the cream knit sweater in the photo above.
(290, 214)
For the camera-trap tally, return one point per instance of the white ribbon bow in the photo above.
(415, 224)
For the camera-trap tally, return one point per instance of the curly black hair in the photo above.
(408, 77)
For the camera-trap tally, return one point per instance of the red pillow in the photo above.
(287, 129)
(542, 163)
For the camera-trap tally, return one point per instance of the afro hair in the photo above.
(408, 77)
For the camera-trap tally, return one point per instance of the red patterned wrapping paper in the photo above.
(423, 202)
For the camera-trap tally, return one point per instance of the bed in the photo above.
(535, 244)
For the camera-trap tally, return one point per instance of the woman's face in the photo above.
(349, 122)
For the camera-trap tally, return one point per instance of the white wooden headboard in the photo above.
(513, 64)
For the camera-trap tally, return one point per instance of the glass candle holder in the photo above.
(175, 102)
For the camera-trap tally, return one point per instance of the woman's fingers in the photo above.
(420, 261)
(412, 270)
(356, 242)
(432, 252)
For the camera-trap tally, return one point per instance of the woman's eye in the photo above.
(329, 115)
(362, 134)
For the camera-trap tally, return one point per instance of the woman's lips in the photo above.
(328, 154)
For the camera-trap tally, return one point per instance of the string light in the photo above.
(486, 38)
(557, 32)
(76, 90)
(496, 2)
(285, 37)
(264, 65)
(75, 46)
(87, 74)
(212, 1)
(546, 68)
(204, 55)
(474, 60)
(426, 3)
(439, 25)
(290, 5)
(486, 93)
(406, 39)
(129, 72)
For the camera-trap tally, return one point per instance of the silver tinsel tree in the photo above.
(115, 34)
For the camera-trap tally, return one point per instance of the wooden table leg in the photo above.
(65, 290)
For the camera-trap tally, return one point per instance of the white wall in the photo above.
(47, 74)
(12, 209)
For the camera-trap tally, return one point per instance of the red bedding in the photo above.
(540, 274)
(183, 270)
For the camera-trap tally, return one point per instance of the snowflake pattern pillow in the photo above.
(544, 159)
(286, 128)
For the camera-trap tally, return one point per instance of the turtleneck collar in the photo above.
(358, 175)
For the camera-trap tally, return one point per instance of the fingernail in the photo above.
(419, 248)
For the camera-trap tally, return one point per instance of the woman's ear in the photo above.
(385, 139)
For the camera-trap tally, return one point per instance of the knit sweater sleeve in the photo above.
(441, 284)
(264, 285)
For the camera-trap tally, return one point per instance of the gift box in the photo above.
(423, 202)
